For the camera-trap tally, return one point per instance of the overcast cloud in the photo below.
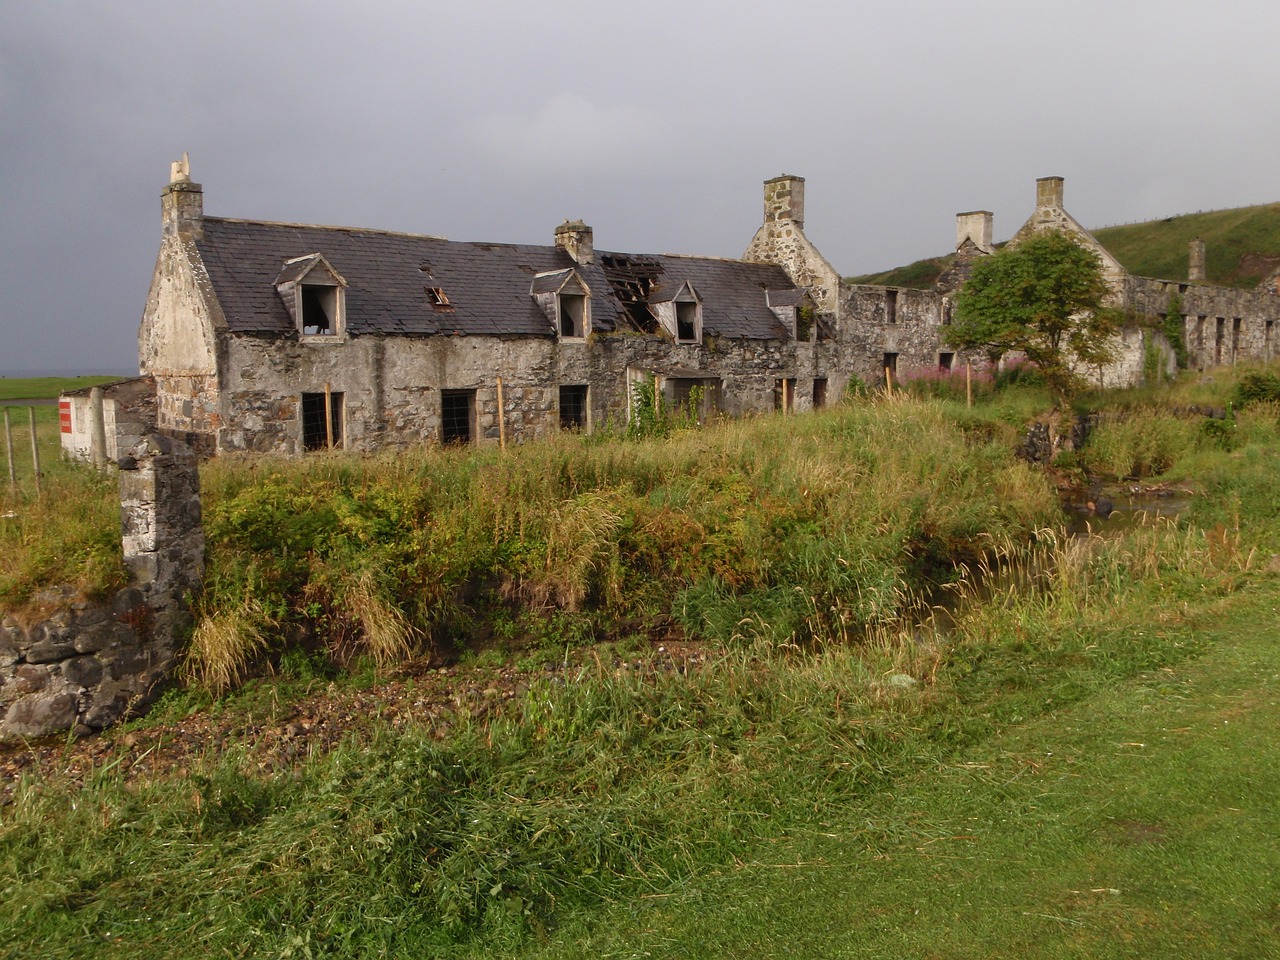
(656, 123)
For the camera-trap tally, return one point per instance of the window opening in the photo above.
(819, 392)
(891, 306)
(457, 416)
(1266, 341)
(890, 366)
(319, 310)
(784, 395)
(573, 406)
(686, 321)
(573, 309)
(1220, 336)
(679, 393)
(946, 362)
(1236, 325)
(314, 434)
(946, 311)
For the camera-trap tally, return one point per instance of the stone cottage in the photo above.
(279, 337)
(284, 337)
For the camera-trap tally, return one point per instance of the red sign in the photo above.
(64, 415)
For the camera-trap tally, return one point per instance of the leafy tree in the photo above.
(1043, 297)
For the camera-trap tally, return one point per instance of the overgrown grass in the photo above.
(611, 785)
(67, 531)
(809, 524)
(607, 785)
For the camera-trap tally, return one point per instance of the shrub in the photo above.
(1257, 387)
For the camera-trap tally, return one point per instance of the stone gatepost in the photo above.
(81, 665)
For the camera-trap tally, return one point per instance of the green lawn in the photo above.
(45, 388)
(1141, 822)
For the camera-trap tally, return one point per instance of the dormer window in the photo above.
(319, 309)
(679, 310)
(796, 311)
(573, 314)
(315, 295)
(566, 301)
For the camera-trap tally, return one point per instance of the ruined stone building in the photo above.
(261, 336)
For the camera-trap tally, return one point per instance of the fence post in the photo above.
(8, 449)
(35, 446)
(502, 419)
(97, 429)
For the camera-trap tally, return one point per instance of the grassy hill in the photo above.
(1242, 246)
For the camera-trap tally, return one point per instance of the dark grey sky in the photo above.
(654, 122)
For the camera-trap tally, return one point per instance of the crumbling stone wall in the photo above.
(76, 664)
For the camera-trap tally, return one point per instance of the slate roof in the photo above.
(487, 284)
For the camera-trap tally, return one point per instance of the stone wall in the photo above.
(391, 387)
(74, 664)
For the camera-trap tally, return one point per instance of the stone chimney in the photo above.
(1195, 260)
(182, 203)
(575, 238)
(1049, 192)
(784, 199)
(975, 227)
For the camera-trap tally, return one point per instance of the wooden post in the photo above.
(657, 400)
(968, 383)
(328, 417)
(8, 449)
(888, 381)
(786, 395)
(97, 429)
(502, 418)
(35, 446)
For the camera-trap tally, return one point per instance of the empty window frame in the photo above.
(573, 314)
(784, 395)
(573, 406)
(890, 368)
(891, 306)
(680, 394)
(946, 362)
(1219, 340)
(315, 434)
(1237, 325)
(1266, 340)
(320, 304)
(819, 392)
(687, 321)
(945, 312)
(457, 416)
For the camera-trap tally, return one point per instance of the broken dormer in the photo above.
(678, 308)
(566, 300)
(315, 295)
(797, 311)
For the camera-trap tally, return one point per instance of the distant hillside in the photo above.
(1241, 246)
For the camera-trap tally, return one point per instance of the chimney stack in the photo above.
(784, 199)
(975, 227)
(182, 203)
(1049, 192)
(1195, 260)
(575, 238)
